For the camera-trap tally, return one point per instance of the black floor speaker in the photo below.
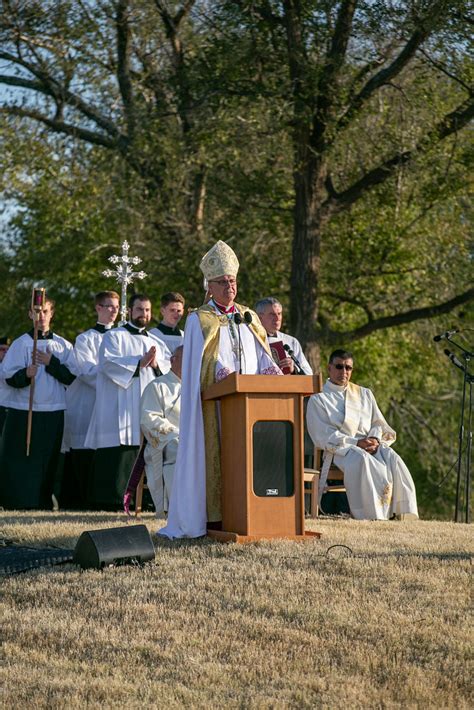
(116, 546)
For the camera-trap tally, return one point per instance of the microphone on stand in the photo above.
(248, 317)
(291, 353)
(446, 335)
(238, 320)
(454, 360)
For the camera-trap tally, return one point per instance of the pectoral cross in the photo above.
(125, 275)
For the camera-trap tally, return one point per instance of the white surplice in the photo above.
(294, 345)
(187, 516)
(171, 341)
(116, 417)
(49, 393)
(378, 486)
(160, 409)
(80, 396)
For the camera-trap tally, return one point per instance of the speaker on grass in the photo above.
(116, 546)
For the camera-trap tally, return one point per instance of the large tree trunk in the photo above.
(306, 250)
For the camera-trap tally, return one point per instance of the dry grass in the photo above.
(268, 625)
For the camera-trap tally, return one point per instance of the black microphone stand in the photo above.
(238, 321)
(291, 353)
(468, 379)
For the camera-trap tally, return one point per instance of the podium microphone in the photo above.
(291, 353)
(248, 317)
(446, 335)
(454, 359)
(238, 320)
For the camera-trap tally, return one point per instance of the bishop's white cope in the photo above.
(187, 515)
(377, 486)
(116, 417)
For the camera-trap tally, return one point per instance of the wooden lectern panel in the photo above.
(244, 401)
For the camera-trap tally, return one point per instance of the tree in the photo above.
(145, 81)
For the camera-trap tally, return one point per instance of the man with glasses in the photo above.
(345, 421)
(220, 337)
(80, 402)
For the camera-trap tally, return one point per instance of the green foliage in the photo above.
(190, 137)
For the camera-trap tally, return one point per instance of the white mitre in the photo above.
(219, 261)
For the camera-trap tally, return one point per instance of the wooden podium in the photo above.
(262, 426)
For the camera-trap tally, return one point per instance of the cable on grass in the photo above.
(345, 547)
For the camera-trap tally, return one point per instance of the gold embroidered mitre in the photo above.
(219, 261)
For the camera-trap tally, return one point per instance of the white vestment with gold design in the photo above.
(187, 515)
(378, 486)
(159, 420)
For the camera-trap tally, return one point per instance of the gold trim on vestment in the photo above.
(211, 323)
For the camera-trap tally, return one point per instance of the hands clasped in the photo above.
(41, 358)
(369, 444)
(149, 358)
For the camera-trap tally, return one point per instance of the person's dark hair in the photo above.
(343, 354)
(5, 340)
(171, 297)
(105, 294)
(137, 297)
(264, 302)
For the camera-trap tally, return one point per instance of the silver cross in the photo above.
(125, 275)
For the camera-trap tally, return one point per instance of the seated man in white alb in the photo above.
(160, 408)
(270, 312)
(345, 421)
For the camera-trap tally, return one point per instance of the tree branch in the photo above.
(61, 127)
(451, 123)
(123, 65)
(425, 27)
(49, 86)
(327, 85)
(393, 321)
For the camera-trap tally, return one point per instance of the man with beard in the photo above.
(28, 482)
(129, 358)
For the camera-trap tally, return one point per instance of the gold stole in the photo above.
(350, 426)
(211, 322)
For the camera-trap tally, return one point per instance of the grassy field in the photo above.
(381, 623)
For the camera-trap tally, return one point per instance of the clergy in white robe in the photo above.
(129, 358)
(212, 351)
(160, 409)
(345, 421)
(270, 312)
(28, 482)
(4, 345)
(80, 402)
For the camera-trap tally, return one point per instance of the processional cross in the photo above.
(125, 275)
